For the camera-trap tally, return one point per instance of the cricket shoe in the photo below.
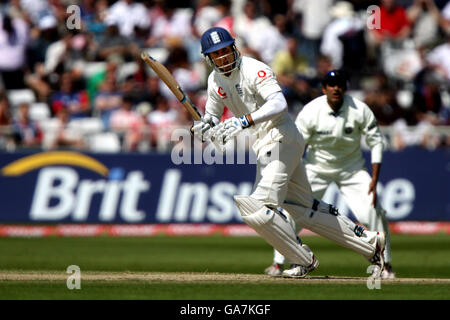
(299, 271)
(388, 272)
(274, 270)
(378, 258)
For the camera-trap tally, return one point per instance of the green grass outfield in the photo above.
(212, 267)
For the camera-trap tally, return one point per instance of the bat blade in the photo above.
(172, 84)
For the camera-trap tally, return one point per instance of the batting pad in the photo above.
(274, 228)
(333, 227)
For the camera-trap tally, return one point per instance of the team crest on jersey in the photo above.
(239, 90)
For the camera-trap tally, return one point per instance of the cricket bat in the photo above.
(172, 84)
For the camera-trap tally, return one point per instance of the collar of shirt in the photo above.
(230, 77)
(341, 110)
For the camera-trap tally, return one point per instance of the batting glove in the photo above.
(231, 127)
(201, 127)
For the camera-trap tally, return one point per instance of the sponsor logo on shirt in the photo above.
(262, 74)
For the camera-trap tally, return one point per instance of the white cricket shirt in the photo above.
(335, 139)
(243, 92)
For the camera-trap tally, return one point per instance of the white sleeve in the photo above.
(275, 105)
(303, 124)
(261, 78)
(214, 106)
(374, 138)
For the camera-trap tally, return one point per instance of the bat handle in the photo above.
(146, 56)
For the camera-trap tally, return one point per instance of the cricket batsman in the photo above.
(251, 92)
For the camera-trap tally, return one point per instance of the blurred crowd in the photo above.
(71, 74)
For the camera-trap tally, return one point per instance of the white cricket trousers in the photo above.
(280, 172)
(354, 188)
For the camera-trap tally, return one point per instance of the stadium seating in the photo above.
(18, 96)
(107, 142)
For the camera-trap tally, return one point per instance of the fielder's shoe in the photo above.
(299, 271)
(274, 270)
(388, 272)
(378, 258)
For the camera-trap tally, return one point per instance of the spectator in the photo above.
(289, 62)
(308, 87)
(425, 17)
(444, 21)
(345, 24)
(287, 65)
(382, 100)
(76, 102)
(133, 88)
(5, 122)
(315, 15)
(65, 136)
(93, 14)
(260, 38)
(128, 15)
(427, 101)
(13, 40)
(394, 23)
(409, 133)
(108, 100)
(41, 37)
(113, 43)
(96, 79)
(162, 121)
(189, 79)
(281, 22)
(39, 82)
(26, 132)
(5, 110)
(439, 59)
(57, 53)
(323, 65)
(227, 20)
(171, 27)
(151, 91)
(206, 16)
(128, 124)
(35, 9)
(145, 138)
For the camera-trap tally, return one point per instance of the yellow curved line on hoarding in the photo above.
(36, 161)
